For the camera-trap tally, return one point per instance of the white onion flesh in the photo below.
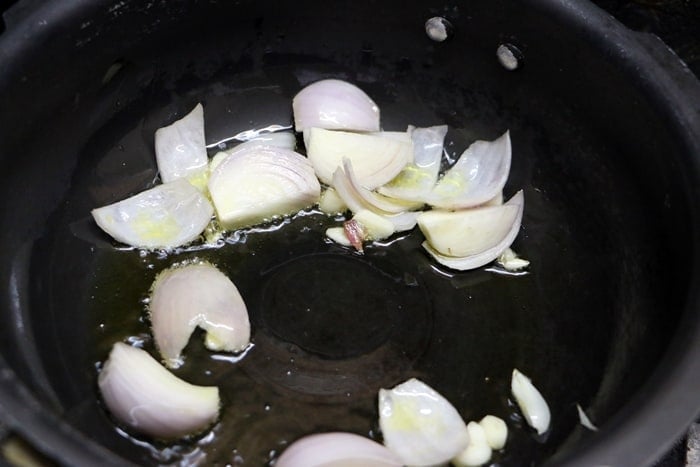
(259, 183)
(478, 176)
(180, 147)
(531, 402)
(331, 203)
(420, 425)
(165, 216)
(337, 449)
(495, 430)
(185, 297)
(584, 420)
(417, 179)
(337, 234)
(147, 398)
(335, 105)
(375, 159)
(375, 201)
(478, 452)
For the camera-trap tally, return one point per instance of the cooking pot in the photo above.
(605, 124)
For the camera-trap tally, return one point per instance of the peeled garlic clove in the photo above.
(478, 452)
(180, 148)
(495, 430)
(375, 226)
(531, 402)
(477, 177)
(185, 297)
(259, 183)
(419, 425)
(147, 398)
(331, 203)
(375, 159)
(165, 216)
(336, 105)
(484, 249)
(337, 449)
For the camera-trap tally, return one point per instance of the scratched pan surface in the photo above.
(600, 318)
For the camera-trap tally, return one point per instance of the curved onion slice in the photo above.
(376, 159)
(261, 182)
(531, 402)
(477, 177)
(147, 398)
(165, 216)
(420, 425)
(185, 297)
(335, 105)
(180, 148)
(378, 203)
(584, 420)
(478, 452)
(457, 233)
(337, 449)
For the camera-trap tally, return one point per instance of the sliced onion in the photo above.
(147, 398)
(477, 177)
(278, 139)
(583, 418)
(336, 105)
(489, 250)
(185, 297)
(419, 425)
(495, 430)
(376, 202)
(337, 450)
(261, 182)
(375, 159)
(478, 452)
(531, 402)
(165, 216)
(417, 179)
(180, 148)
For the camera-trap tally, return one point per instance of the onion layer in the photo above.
(180, 148)
(531, 402)
(185, 297)
(147, 398)
(337, 449)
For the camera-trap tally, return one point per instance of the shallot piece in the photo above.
(180, 148)
(335, 105)
(478, 176)
(420, 425)
(531, 402)
(355, 234)
(375, 159)
(471, 238)
(148, 399)
(337, 449)
(478, 452)
(259, 183)
(165, 216)
(184, 297)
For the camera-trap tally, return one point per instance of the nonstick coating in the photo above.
(606, 143)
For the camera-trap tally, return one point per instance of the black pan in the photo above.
(605, 126)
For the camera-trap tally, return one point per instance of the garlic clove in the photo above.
(495, 430)
(185, 297)
(336, 105)
(337, 449)
(376, 227)
(148, 399)
(478, 452)
(180, 147)
(531, 402)
(478, 176)
(420, 425)
(331, 203)
(165, 216)
(258, 183)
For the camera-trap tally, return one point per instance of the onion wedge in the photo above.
(467, 233)
(180, 148)
(147, 398)
(165, 216)
(258, 183)
(477, 177)
(376, 159)
(531, 402)
(336, 105)
(185, 297)
(337, 449)
(419, 425)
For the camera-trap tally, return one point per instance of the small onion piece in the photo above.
(338, 235)
(147, 398)
(335, 105)
(478, 452)
(258, 183)
(337, 449)
(184, 297)
(531, 402)
(165, 216)
(478, 176)
(420, 425)
(584, 420)
(180, 148)
(331, 203)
